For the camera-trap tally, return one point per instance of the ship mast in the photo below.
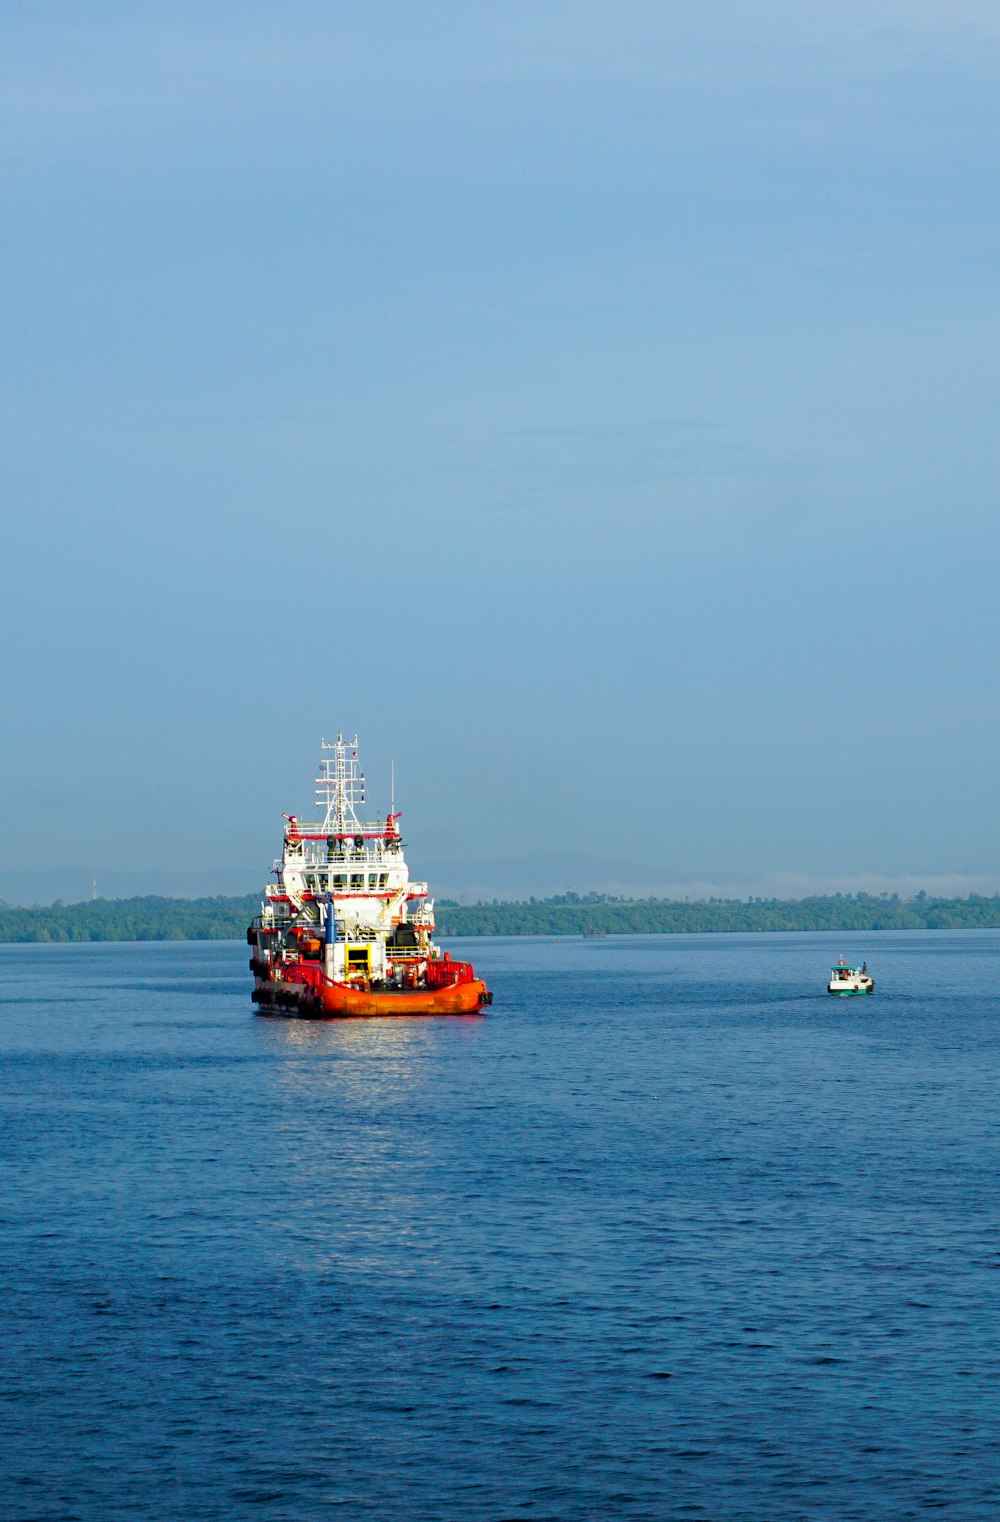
(340, 785)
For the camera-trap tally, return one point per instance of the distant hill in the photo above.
(567, 914)
(131, 919)
(570, 914)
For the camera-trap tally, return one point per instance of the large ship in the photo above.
(343, 929)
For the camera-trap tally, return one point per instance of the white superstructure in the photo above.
(343, 881)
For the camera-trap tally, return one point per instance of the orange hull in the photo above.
(333, 1000)
(460, 999)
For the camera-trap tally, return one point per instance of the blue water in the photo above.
(667, 1234)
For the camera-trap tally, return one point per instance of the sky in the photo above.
(594, 408)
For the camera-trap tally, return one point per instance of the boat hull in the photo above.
(851, 993)
(332, 1001)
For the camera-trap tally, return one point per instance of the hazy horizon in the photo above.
(594, 410)
(483, 881)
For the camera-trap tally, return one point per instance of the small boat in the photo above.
(845, 981)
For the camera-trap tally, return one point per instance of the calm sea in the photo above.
(668, 1234)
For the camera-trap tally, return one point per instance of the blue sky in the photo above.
(594, 407)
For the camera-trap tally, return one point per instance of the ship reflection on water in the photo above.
(369, 1060)
(356, 1118)
(392, 1038)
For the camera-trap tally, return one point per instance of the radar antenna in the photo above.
(340, 785)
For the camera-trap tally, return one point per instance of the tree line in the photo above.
(565, 914)
(131, 919)
(568, 914)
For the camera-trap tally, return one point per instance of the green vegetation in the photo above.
(132, 919)
(568, 914)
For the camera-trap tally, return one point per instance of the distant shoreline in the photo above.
(566, 915)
